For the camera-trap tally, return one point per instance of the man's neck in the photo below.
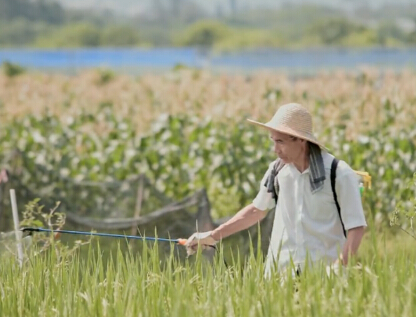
(303, 163)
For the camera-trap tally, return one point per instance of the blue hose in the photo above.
(101, 234)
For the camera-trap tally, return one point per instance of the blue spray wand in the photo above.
(100, 234)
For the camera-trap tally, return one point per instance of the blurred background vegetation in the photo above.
(185, 129)
(223, 26)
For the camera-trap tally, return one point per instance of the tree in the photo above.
(205, 33)
(10, 9)
(49, 12)
(334, 30)
(412, 38)
(18, 32)
(388, 31)
(40, 10)
(72, 35)
(119, 36)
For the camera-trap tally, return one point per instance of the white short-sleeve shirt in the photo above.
(306, 224)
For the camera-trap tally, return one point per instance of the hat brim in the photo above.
(288, 131)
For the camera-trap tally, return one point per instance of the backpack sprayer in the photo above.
(365, 180)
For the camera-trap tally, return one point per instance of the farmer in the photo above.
(307, 225)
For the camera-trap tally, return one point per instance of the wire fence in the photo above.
(137, 196)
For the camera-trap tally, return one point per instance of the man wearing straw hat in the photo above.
(308, 226)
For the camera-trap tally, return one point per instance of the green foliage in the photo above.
(179, 67)
(71, 35)
(180, 155)
(405, 212)
(119, 36)
(34, 216)
(88, 35)
(388, 31)
(38, 10)
(333, 31)
(134, 284)
(105, 76)
(47, 24)
(20, 32)
(242, 38)
(12, 70)
(388, 153)
(204, 33)
(362, 38)
(411, 38)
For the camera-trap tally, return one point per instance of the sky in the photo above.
(131, 7)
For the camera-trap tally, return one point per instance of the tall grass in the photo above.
(367, 117)
(65, 284)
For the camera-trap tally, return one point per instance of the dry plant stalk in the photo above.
(329, 95)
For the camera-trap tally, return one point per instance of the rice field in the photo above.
(186, 130)
(61, 283)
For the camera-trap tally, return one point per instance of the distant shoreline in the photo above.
(134, 60)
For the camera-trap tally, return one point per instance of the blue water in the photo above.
(131, 59)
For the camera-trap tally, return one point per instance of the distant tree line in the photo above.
(44, 23)
(41, 10)
(327, 32)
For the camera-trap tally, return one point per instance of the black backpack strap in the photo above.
(333, 177)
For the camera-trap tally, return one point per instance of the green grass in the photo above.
(63, 283)
(183, 153)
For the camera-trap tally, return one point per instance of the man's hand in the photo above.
(199, 239)
(335, 268)
(350, 249)
(245, 218)
(352, 244)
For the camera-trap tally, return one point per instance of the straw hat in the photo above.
(294, 120)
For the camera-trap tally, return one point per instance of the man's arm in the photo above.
(244, 219)
(354, 237)
(352, 212)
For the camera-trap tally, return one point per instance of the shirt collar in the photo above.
(316, 171)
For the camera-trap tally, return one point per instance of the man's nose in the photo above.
(277, 149)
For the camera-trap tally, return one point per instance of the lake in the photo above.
(133, 60)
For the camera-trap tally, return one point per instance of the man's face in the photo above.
(287, 148)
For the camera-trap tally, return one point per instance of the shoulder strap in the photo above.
(271, 183)
(333, 177)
